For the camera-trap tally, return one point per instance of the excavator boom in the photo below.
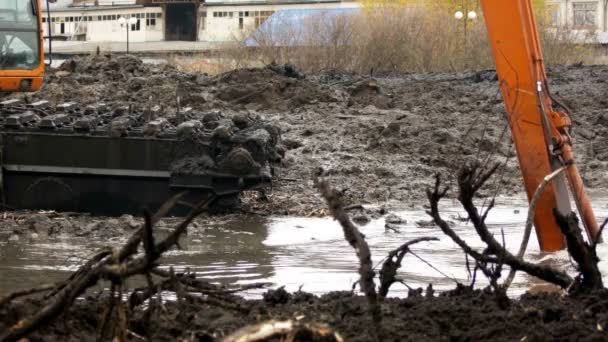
(541, 135)
(21, 46)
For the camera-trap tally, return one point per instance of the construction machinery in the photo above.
(21, 45)
(540, 132)
(113, 160)
(133, 162)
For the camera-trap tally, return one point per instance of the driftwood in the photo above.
(357, 241)
(284, 331)
(470, 180)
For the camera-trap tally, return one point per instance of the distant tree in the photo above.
(450, 6)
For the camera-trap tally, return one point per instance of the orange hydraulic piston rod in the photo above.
(535, 126)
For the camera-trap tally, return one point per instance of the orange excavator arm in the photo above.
(21, 46)
(541, 134)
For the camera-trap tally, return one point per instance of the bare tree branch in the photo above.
(356, 240)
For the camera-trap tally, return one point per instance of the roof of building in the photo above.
(91, 8)
(212, 3)
(71, 5)
(291, 27)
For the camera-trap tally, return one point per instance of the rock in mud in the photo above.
(394, 219)
(361, 219)
(278, 296)
(393, 129)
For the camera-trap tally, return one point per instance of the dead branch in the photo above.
(14, 295)
(599, 234)
(470, 180)
(393, 263)
(113, 266)
(285, 330)
(189, 281)
(356, 240)
(582, 253)
(530, 220)
(434, 197)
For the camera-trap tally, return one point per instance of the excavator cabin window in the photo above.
(19, 35)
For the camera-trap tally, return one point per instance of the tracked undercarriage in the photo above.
(119, 160)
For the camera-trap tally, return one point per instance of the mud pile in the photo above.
(461, 315)
(381, 140)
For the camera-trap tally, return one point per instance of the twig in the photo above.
(599, 234)
(393, 263)
(530, 221)
(469, 182)
(433, 267)
(108, 265)
(14, 295)
(356, 240)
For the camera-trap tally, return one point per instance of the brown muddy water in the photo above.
(298, 252)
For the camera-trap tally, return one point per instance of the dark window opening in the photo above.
(180, 22)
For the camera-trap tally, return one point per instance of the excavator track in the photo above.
(116, 160)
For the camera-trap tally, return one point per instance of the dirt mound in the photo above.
(276, 88)
(111, 67)
(380, 139)
(461, 315)
(369, 92)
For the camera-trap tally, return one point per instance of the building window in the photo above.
(584, 14)
(151, 22)
(136, 26)
(240, 23)
(223, 14)
(553, 10)
(261, 16)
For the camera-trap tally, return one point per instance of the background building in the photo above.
(583, 15)
(168, 20)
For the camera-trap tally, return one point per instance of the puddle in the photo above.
(307, 253)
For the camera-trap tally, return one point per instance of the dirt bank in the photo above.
(379, 139)
(461, 315)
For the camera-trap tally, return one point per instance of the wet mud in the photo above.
(379, 139)
(459, 315)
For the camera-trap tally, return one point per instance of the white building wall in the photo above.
(225, 28)
(102, 25)
(565, 9)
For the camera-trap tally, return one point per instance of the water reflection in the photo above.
(298, 252)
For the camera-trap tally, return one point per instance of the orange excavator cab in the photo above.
(540, 133)
(21, 46)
